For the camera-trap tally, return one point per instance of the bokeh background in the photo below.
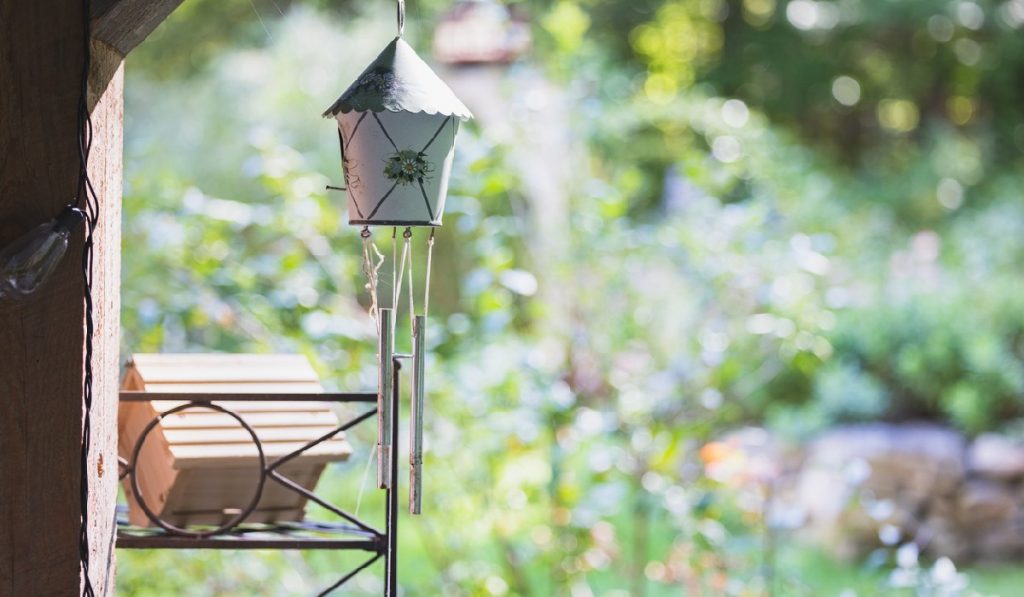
(728, 300)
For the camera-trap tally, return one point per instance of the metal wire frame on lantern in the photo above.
(350, 533)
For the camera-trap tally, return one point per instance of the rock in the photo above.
(1001, 544)
(919, 458)
(943, 508)
(863, 486)
(996, 457)
(858, 478)
(940, 537)
(984, 505)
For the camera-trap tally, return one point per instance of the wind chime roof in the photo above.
(399, 81)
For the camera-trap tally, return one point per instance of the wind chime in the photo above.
(397, 124)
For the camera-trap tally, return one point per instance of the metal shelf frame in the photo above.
(348, 534)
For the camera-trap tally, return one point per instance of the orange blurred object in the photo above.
(713, 452)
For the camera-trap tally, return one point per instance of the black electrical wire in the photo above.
(88, 201)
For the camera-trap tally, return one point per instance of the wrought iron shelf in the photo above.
(351, 535)
(301, 535)
(340, 397)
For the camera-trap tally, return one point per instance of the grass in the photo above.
(807, 571)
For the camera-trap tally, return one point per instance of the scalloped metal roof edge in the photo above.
(398, 80)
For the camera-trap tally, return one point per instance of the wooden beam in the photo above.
(41, 366)
(124, 24)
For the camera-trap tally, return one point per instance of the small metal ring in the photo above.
(170, 528)
(407, 233)
(366, 232)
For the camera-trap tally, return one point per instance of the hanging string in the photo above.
(395, 280)
(362, 484)
(426, 284)
(412, 302)
(401, 265)
(88, 201)
(401, 17)
(371, 270)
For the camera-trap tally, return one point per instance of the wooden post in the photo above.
(42, 362)
(42, 339)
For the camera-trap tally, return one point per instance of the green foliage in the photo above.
(957, 356)
(848, 76)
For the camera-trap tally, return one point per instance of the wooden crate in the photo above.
(200, 467)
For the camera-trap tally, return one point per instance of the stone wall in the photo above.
(866, 486)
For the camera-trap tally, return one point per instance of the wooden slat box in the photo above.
(200, 467)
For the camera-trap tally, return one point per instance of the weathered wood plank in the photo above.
(206, 436)
(252, 368)
(106, 171)
(220, 456)
(124, 24)
(238, 407)
(197, 419)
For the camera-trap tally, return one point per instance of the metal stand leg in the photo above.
(391, 565)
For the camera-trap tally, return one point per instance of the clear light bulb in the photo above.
(28, 262)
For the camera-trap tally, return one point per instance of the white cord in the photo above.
(372, 271)
(400, 271)
(412, 301)
(395, 278)
(366, 473)
(430, 258)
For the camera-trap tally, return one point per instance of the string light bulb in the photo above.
(28, 262)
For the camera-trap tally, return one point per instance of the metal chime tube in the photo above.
(416, 429)
(385, 385)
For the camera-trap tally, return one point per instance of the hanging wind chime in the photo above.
(396, 129)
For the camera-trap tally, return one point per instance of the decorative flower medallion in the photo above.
(407, 166)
